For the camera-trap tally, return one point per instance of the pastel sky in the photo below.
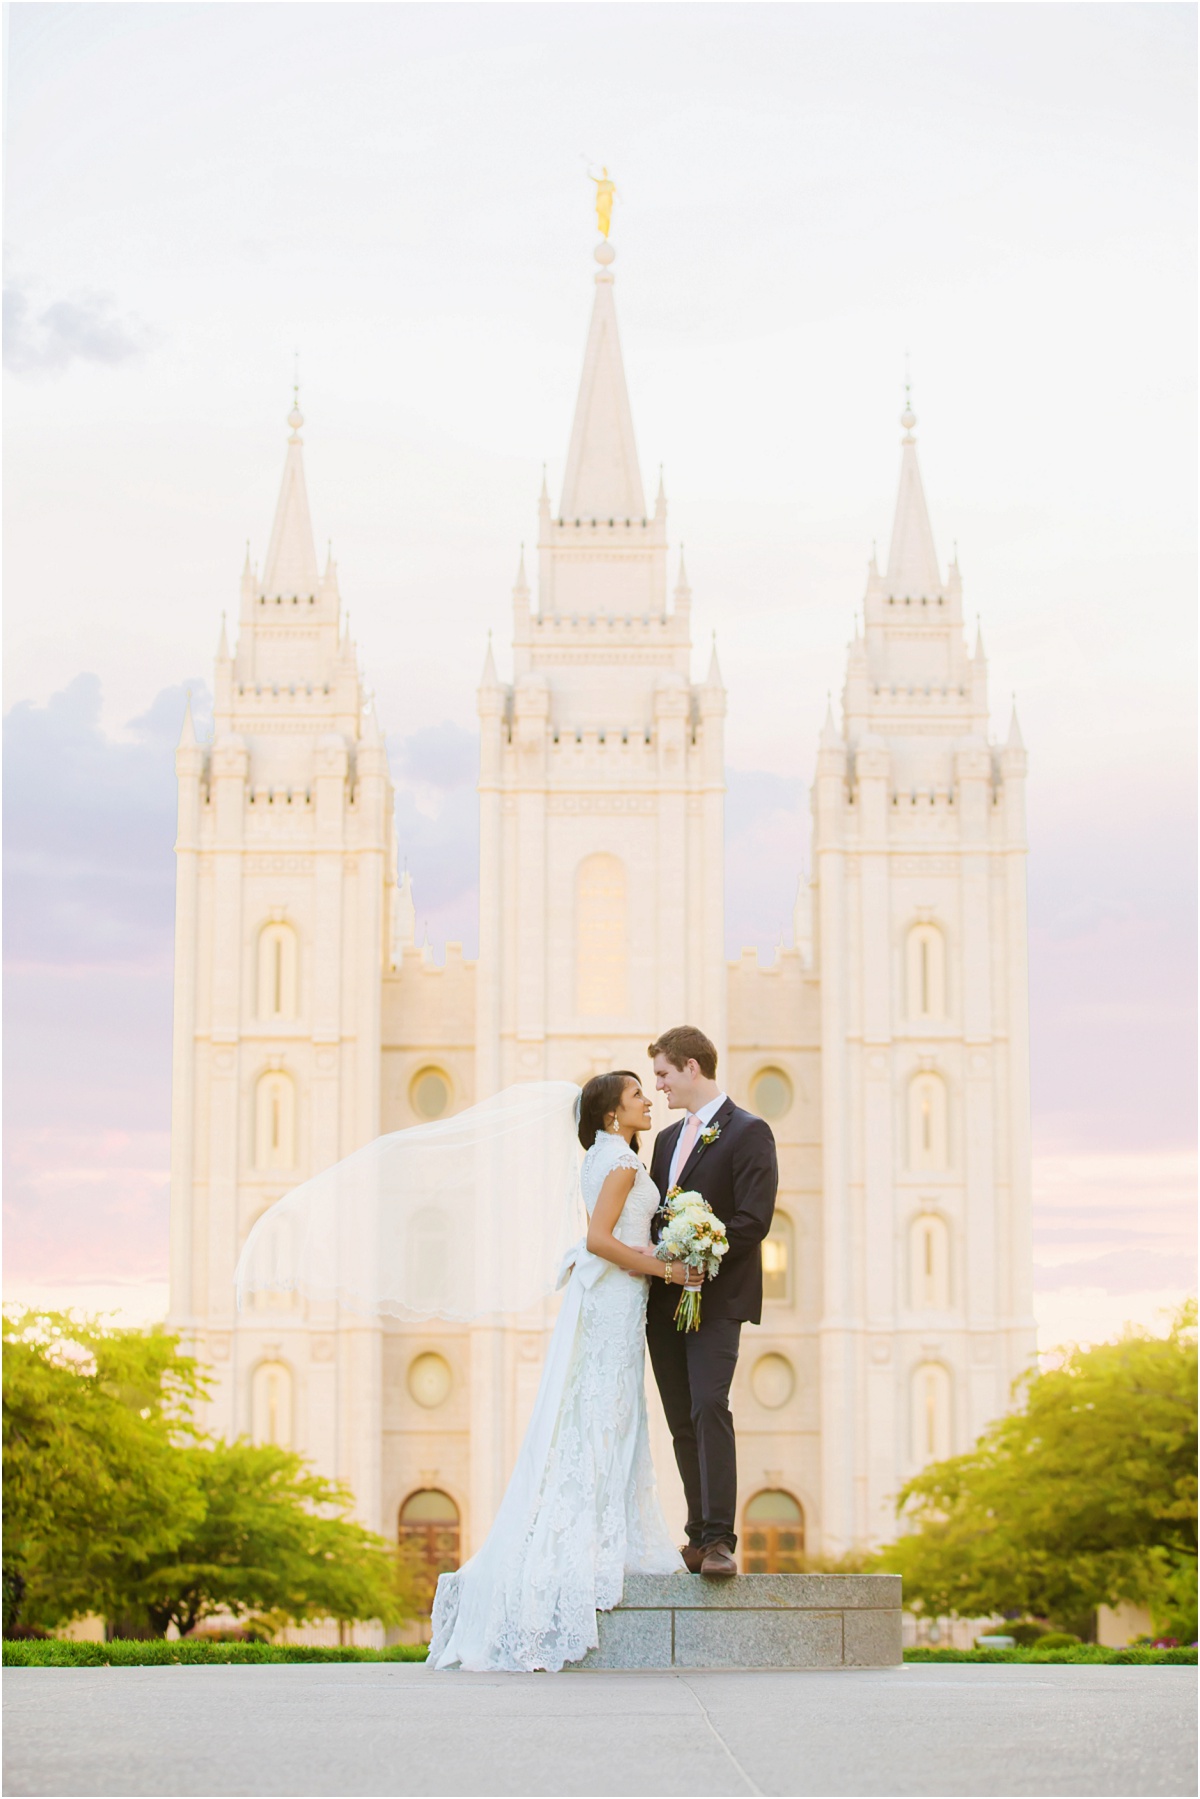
(1004, 193)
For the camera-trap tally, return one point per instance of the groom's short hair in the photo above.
(684, 1043)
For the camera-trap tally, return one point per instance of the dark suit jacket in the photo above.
(739, 1176)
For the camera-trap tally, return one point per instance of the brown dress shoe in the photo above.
(719, 1562)
(692, 1555)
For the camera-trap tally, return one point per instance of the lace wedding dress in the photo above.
(582, 1507)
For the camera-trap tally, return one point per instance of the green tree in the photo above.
(1084, 1496)
(272, 1539)
(94, 1475)
(114, 1503)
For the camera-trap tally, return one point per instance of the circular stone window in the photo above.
(773, 1381)
(430, 1093)
(773, 1093)
(430, 1380)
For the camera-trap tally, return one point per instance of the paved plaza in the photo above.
(391, 1728)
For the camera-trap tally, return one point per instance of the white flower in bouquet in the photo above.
(694, 1235)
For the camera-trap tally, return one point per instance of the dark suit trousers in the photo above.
(694, 1371)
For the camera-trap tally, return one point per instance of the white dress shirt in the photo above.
(706, 1114)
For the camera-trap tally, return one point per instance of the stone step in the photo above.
(751, 1621)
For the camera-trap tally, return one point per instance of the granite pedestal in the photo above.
(752, 1621)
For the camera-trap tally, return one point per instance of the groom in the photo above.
(728, 1156)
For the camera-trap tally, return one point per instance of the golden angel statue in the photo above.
(605, 194)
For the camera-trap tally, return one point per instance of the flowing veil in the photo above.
(464, 1218)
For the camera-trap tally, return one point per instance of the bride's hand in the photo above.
(675, 1273)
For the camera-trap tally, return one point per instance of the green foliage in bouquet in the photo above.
(1084, 1496)
(116, 1504)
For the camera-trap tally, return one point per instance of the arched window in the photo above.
(926, 972)
(931, 1437)
(777, 1259)
(429, 1093)
(601, 938)
(928, 1145)
(429, 1534)
(929, 1263)
(277, 971)
(773, 1534)
(275, 1122)
(271, 1404)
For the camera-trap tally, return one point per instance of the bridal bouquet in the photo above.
(692, 1234)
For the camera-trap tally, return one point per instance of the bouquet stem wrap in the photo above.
(694, 1235)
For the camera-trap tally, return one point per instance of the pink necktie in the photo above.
(687, 1142)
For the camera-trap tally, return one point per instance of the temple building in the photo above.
(888, 1046)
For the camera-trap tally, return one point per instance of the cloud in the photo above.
(89, 829)
(441, 756)
(437, 828)
(40, 340)
(88, 928)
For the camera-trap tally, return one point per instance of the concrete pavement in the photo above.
(389, 1728)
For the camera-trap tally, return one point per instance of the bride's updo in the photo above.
(602, 1095)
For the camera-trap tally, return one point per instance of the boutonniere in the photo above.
(710, 1134)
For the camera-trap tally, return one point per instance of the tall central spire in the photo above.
(603, 480)
(291, 566)
(912, 566)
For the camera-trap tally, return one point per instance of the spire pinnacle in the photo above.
(1015, 739)
(683, 588)
(830, 738)
(489, 677)
(603, 479)
(912, 567)
(187, 736)
(404, 928)
(291, 565)
(713, 678)
(521, 584)
(222, 646)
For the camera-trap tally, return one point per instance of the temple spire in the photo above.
(912, 567)
(291, 565)
(603, 480)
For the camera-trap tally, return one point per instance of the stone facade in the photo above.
(888, 1046)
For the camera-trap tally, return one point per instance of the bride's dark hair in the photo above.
(602, 1095)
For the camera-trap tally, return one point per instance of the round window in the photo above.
(430, 1379)
(430, 1093)
(773, 1381)
(772, 1093)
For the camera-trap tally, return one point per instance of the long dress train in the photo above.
(582, 1506)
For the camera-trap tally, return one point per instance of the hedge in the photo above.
(1078, 1654)
(52, 1652)
(43, 1652)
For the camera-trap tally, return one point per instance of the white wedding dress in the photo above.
(582, 1507)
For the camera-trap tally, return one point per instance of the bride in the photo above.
(465, 1218)
(581, 1508)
